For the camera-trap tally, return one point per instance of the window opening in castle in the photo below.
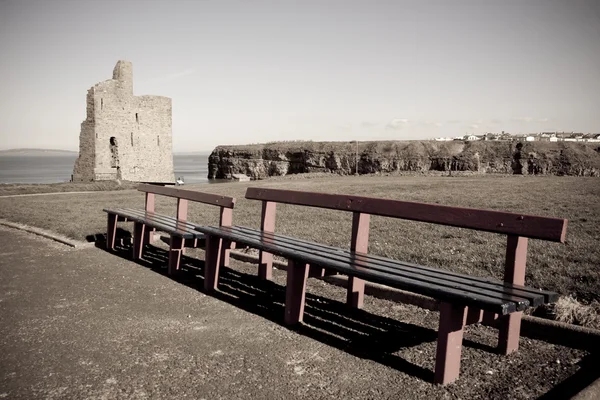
(114, 152)
(136, 118)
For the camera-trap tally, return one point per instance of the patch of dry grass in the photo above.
(567, 309)
(570, 268)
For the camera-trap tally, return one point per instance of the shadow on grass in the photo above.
(354, 331)
(588, 373)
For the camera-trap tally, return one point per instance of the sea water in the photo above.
(58, 168)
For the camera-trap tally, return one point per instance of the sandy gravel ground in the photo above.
(84, 323)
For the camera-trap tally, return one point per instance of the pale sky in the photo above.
(256, 71)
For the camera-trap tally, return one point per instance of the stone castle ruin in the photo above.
(124, 136)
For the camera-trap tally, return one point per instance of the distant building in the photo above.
(125, 136)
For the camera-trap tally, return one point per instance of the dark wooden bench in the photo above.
(182, 233)
(463, 299)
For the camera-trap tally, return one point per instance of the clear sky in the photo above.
(256, 71)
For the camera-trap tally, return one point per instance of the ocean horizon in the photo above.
(58, 168)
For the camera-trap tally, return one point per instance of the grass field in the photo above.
(572, 268)
(20, 188)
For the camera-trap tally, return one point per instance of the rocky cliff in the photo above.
(282, 158)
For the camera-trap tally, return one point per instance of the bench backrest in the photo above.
(531, 226)
(518, 227)
(225, 203)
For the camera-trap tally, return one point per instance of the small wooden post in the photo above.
(226, 219)
(267, 224)
(514, 272)
(360, 244)
(212, 262)
(449, 344)
(111, 231)
(295, 292)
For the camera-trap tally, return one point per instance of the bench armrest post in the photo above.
(182, 209)
(514, 272)
(226, 216)
(516, 260)
(359, 242)
(226, 219)
(267, 224)
(150, 202)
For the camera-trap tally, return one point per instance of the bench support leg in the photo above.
(227, 247)
(265, 265)
(148, 235)
(509, 327)
(514, 272)
(138, 239)
(449, 345)
(267, 224)
(320, 272)
(295, 292)
(355, 295)
(111, 231)
(359, 243)
(212, 262)
(175, 250)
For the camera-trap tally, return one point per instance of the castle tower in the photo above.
(123, 74)
(125, 136)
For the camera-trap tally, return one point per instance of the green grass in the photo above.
(572, 268)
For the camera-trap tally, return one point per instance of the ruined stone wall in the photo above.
(125, 136)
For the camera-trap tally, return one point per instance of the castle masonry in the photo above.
(124, 136)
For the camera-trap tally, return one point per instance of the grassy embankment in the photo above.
(571, 268)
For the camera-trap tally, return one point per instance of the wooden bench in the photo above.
(463, 299)
(182, 233)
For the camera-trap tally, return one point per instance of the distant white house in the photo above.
(530, 139)
(472, 137)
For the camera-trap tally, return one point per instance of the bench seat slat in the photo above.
(159, 217)
(149, 217)
(489, 303)
(434, 277)
(174, 227)
(522, 291)
(388, 265)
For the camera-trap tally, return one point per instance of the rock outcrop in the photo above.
(277, 159)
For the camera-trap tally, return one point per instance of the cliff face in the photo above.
(277, 159)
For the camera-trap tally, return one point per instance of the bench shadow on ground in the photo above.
(330, 322)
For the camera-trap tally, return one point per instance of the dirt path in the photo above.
(90, 324)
